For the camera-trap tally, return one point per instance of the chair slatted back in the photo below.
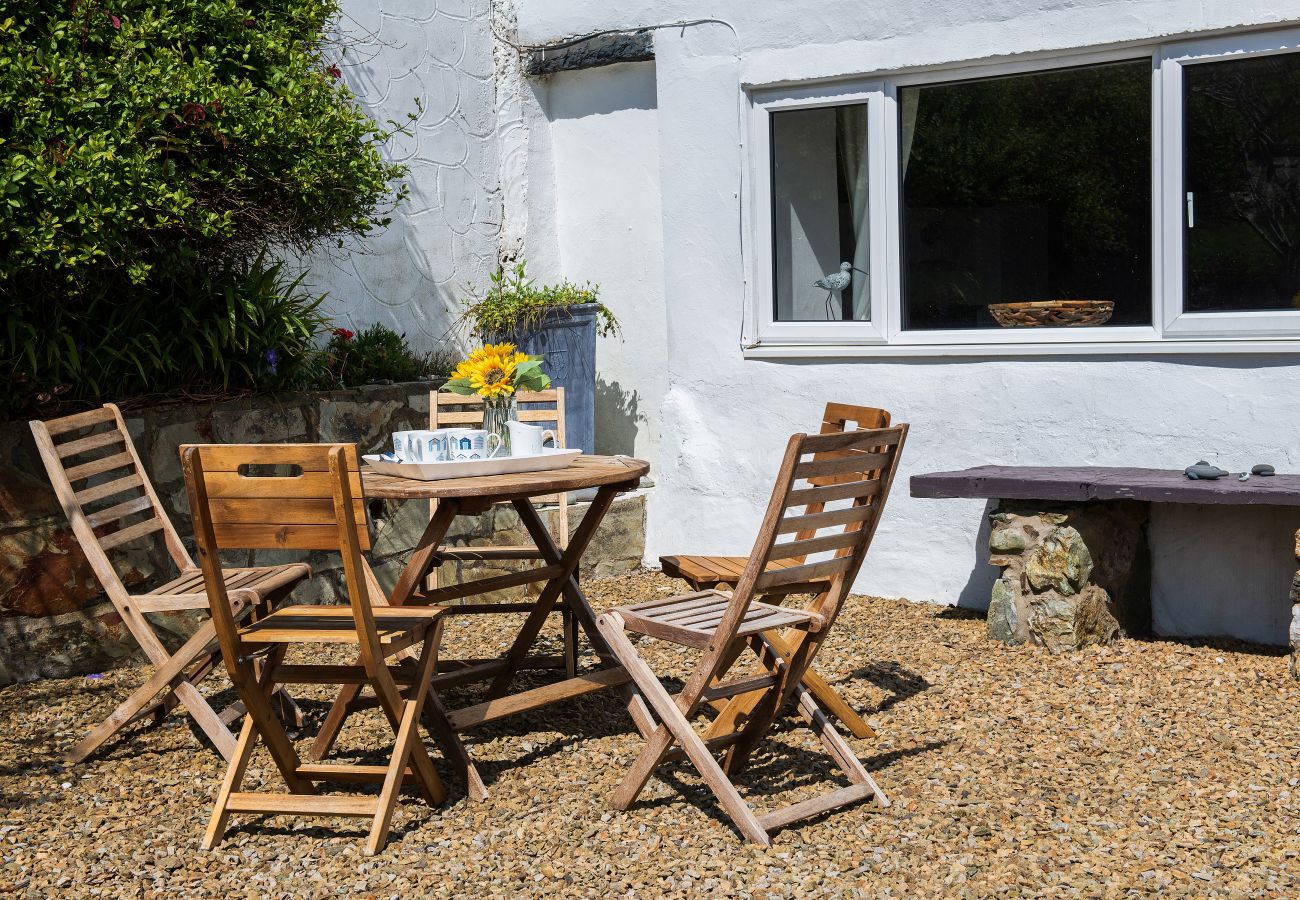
(542, 408)
(837, 419)
(238, 504)
(292, 508)
(828, 498)
(101, 484)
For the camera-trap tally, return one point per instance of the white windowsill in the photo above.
(775, 350)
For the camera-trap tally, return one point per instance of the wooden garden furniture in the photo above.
(541, 408)
(710, 572)
(318, 506)
(108, 499)
(722, 625)
(555, 577)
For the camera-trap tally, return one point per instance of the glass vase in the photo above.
(497, 411)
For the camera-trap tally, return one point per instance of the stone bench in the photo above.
(1072, 544)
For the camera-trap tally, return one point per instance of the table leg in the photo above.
(569, 559)
(417, 567)
(580, 608)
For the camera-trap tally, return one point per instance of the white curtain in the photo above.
(853, 157)
(909, 101)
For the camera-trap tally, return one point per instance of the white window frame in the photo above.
(769, 329)
(1171, 329)
(1172, 60)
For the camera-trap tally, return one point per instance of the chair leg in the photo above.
(405, 748)
(676, 722)
(233, 781)
(170, 677)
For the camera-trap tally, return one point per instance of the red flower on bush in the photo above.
(344, 334)
(116, 22)
(335, 72)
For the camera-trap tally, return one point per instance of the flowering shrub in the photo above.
(151, 151)
(377, 353)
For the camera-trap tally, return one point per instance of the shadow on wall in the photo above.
(979, 587)
(597, 92)
(618, 418)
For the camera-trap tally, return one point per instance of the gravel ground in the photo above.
(1141, 767)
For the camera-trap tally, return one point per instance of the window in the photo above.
(1241, 182)
(1134, 198)
(1026, 188)
(821, 251)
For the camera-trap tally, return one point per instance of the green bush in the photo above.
(151, 151)
(378, 353)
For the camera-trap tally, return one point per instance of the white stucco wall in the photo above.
(412, 275)
(724, 417)
(604, 142)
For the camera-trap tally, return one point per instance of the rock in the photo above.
(1061, 562)
(1007, 540)
(1004, 618)
(1060, 623)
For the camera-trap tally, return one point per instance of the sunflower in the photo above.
(492, 375)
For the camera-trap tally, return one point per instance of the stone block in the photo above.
(1073, 574)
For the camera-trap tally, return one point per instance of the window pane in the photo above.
(1028, 188)
(821, 252)
(1241, 146)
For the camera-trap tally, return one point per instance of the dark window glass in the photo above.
(1028, 188)
(1241, 156)
(819, 215)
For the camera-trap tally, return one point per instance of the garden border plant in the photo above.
(155, 160)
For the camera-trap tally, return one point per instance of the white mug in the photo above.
(472, 443)
(420, 446)
(528, 440)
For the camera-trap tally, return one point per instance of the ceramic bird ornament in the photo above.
(835, 283)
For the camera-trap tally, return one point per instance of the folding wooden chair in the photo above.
(723, 625)
(102, 486)
(544, 408)
(708, 572)
(319, 507)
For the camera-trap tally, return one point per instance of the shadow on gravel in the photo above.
(900, 683)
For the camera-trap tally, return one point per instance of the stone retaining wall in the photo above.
(55, 621)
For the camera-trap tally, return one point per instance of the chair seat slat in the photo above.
(838, 465)
(93, 442)
(109, 489)
(300, 511)
(809, 572)
(131, 533)
(80, 420)
(864, 439)
(814, 545)
(100, 466)
(814, 521)
(120, 511)
(230, 485)
(845, 490)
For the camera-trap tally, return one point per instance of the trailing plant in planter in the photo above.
(514, 305)
(558, 323)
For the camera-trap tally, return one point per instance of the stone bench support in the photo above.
(1073, 574)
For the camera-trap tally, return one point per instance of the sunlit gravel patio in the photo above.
(1117, 770)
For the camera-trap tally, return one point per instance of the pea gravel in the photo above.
(1147, 766)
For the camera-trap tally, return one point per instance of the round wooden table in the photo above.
(610, 475)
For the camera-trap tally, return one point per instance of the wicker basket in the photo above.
(1052, 312)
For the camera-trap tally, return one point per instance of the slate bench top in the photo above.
(1089, 483)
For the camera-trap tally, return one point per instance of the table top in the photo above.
(583, 472)
(1085, 483)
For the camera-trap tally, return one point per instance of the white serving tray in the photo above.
(501, 465)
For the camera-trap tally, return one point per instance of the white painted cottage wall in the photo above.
(411, 275)
(722, 413)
